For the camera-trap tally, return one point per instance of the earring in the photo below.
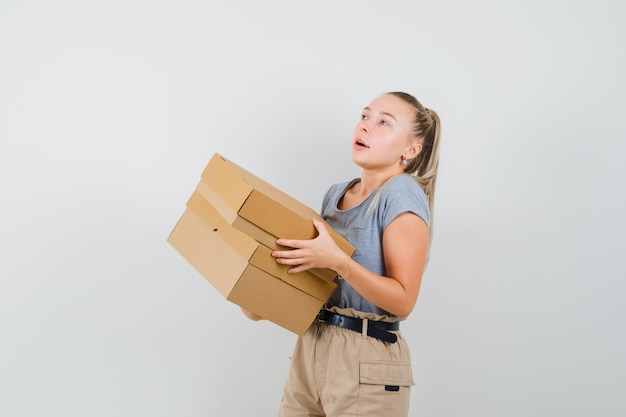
(405, 162)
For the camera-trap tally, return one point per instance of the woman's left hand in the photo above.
(320, 252)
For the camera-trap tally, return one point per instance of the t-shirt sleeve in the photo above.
(402, 195)
(328, 196)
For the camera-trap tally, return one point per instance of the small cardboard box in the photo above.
(227, 234)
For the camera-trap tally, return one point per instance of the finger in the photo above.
(296, 269)
(290, 243)
(286, 254)
(320, 226)
(290, 261)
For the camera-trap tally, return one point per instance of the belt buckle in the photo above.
(320, 318)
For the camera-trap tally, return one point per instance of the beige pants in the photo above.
(337, 372)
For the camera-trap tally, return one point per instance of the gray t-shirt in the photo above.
(364, 227)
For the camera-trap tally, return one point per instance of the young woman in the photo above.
(353, 361)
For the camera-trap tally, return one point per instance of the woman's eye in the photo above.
(384, 123)
(363, 117)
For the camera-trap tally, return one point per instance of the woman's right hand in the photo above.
(249, 314)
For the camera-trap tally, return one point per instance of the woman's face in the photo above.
(383, 135)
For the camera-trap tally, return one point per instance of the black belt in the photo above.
(377, 329)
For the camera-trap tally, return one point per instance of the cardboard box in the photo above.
(217, 241)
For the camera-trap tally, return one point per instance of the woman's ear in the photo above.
(413, 151)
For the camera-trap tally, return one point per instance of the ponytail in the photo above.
(427, 130)
(427, 162)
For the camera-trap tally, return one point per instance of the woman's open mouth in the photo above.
(359, 144)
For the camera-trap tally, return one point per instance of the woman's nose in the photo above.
(363, 126)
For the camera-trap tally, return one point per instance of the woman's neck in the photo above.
(370, 181)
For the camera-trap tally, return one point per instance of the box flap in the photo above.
(278, 219)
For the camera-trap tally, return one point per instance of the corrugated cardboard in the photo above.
(259, 209)
(227, 233)
(244, 271)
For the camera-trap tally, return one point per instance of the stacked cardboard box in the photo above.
(227, 233)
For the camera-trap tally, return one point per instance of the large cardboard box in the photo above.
(241, 267)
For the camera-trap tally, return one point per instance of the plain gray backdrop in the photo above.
(109, 111)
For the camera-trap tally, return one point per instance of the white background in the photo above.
(109, 110)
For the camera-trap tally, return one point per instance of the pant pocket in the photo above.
(384, 388)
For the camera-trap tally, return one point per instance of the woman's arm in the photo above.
(405, 244)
